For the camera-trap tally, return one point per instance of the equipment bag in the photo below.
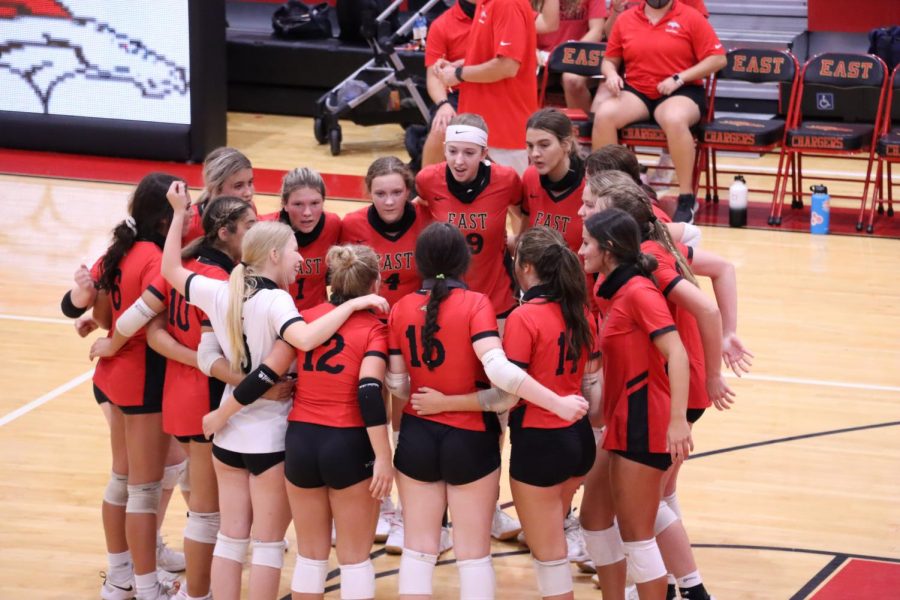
(884, 43)
(298, 21)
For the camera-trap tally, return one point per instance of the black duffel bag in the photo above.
(298, 21)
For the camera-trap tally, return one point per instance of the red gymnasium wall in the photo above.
(856, 16)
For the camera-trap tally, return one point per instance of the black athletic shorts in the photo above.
(430, 451)
(99, 396)
(318, 455)
(657, 460)
(697, 93)
(200, 439)
(148, 408)
(546, 457)
(257, 464)
(694, 414)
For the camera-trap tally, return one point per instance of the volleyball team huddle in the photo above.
(582, 333)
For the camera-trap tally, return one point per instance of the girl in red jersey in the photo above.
(475, 196)
(667, 49)
(250, 315)
(132, 380)
(645, 388)
(302, 207)
(389, 226)
(338, 457)
(700, 327)
(226, 172)
(553, 184)
(445, 337)
(188, 394)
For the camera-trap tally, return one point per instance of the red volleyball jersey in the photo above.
(556, 210)
(667, 275)
(636, 398)
(188, 394)
(394, 243)
(447, 36)
(309, 289)
(328, 376)
(481, 217)
(464, 317)
(661, 214)
(654, 52)
(134, 376)
(535, 339)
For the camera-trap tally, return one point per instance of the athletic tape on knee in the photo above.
(645, 563)
(268, 554)
(309, 576)
(672, 501)
(230, 548)
(172, 474)
(202, 527)
(605, 547)
(416, 570)
(554, 577)
(116, 492)
(476, 578)
(358, 581)
(143, 498)
(665, 516)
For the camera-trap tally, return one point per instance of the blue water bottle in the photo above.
(820, 212)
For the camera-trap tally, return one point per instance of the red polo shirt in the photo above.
(573, 22)
(503, 28)
(651, 53)
(447, 36)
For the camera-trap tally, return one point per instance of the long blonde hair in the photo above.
(623, 193)
(353, 269)
(219, 165)
(258, 243)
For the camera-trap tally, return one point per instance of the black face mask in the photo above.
(657, 3)
(468, 8)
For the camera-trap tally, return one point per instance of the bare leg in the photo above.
(676, 116)
(271, 516)
(423, 508)
(204, 499)
(597, 514)
(237, 514)
(312, 523)
(614, 114)
(113, 515)
(575, 87)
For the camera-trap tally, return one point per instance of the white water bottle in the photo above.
(420, 30)
(737, 202)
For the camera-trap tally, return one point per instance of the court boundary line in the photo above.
(824, 573)
(819, 382)
(28, 319)
(40, 401)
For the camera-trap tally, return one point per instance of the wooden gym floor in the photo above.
(791, 494)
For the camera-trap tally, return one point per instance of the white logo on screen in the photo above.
(82, 66)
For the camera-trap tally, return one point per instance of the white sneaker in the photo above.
(446, 540)
(164, 591)
(503, 526)
(586, 566)
(521, 539)
(394, 542)
(383, 528)
(168, 559)
(183, 595)
(577, 551)
(166, 577)
(595, 579)
(112, 591)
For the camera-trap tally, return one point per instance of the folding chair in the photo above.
(837, 113)
(887, 148)
(754, 66)
(578, 58)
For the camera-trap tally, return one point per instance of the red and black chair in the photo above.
(758, 67)
(837, 113)
(578, 58)
(887, 150)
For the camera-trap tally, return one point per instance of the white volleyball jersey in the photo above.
(260, 427)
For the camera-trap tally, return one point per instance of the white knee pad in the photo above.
(184, 482)
(645, 563)
(672, 501)
(143, 498)
(605, 547)
(116, 492)
(268, 554)
(665, 516)
(476, 579)
(172, 474)
(416, 570)
(230, 548)
(358, 581)
(309, 576)
(202, 527)
(554, 577)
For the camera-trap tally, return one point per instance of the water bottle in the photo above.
(737, 202)
(820, 211)
(420, 30)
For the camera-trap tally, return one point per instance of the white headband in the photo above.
(466, 133)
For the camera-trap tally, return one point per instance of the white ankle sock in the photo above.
(146, 585)
(120, 567)
(689, 580)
